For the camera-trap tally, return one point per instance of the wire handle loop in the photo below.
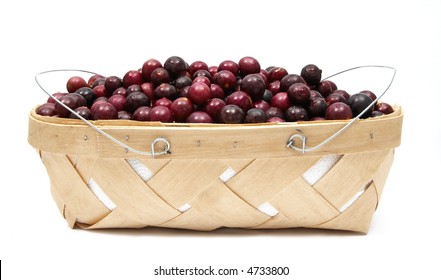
(153, 153)
(303, 138)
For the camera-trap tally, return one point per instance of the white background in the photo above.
(112, 37)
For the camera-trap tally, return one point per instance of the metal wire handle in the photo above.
(153, 153)
(303, 138)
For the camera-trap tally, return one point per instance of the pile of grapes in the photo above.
(229, 93)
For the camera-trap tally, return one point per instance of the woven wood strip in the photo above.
(180, 180)
(224, 208)
(358, 216)
(352, 173)
(265, 177)
(303, 205)
(72, 195)
(126, 189)
(379, 178)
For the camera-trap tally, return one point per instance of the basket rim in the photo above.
(70, 136)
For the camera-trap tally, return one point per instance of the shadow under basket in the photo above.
(239, 176)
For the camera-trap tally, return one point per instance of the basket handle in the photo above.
(303, 138)
(152, 153)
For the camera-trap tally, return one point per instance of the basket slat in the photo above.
(358, 216)
(126, 189)
(275, 176)
(303, 205)
(73, 197)
(353, 172)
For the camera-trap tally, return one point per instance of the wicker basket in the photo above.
(211, 176)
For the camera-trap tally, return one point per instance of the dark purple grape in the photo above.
(175, 66)
(226, 80)
(160, 76)
(267, 95)
(119, 101)
(315, 94)
(338, 111)
(199, 117)
(232, 114)
(104, 111)
(136, 100)
(342, 92)
(202, 79)
(384, 108)
(255, 115)
(120, 91)
(67, 100)
(240, 99)
(296, 113)
(163, 102)
(181, 108)
(358, 103)
(254, 86)
(248, 65)
(299, 94)
(112, 83)
(83, 111)
(276, 74)
(281, 100)
(326, 87)
(132, 77)
(182, 82)
(199, 93)
(75, 83)
(133, 88)
(217, 91)
(335, 97)
(261, 104)
(274, 87)
(214, 108)
(197, 65)
(165, 90)
(317, 107)
(376, 114)
(229, 65)
(56, 95)
(274, 112)
(142, 114)
(202, 73)
(160, 114)
(47, 109)
(311, 74)
(148, 67)
(289, 80)
(79, 99)
(87, 93)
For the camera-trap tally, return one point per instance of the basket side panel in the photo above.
(73, 197)
(381, 175)
(303, 205)
(350, 175)
(358, 216)
(181, 180)
(130, 193)
(265, 177)
(225, 208)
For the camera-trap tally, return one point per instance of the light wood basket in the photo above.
(239, 176)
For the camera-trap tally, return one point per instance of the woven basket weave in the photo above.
(241, 176)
